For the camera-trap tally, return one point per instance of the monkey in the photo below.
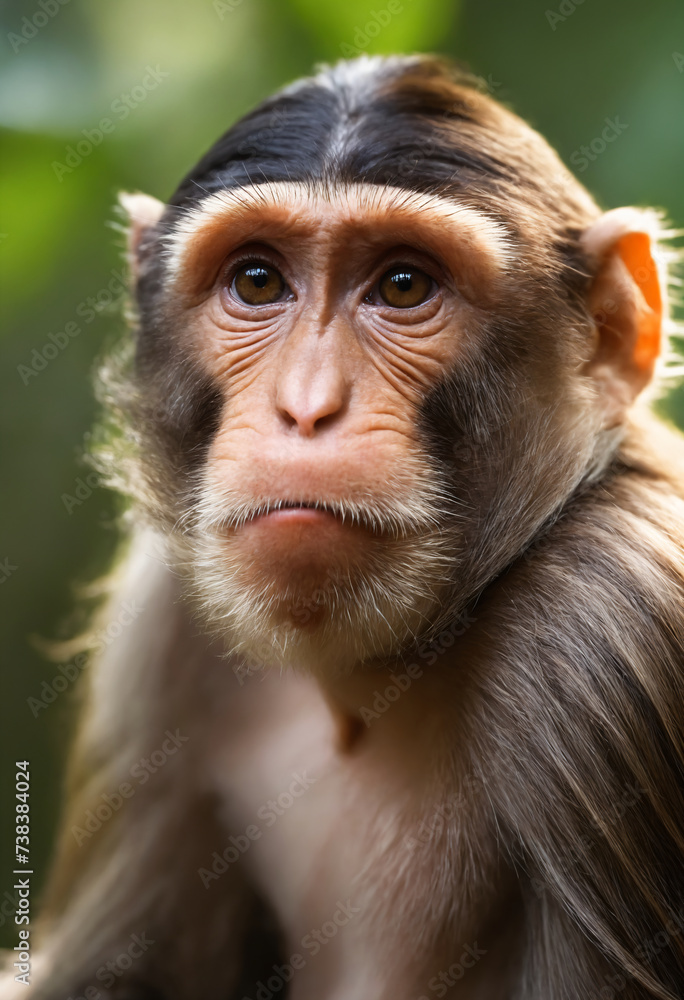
(400, 714)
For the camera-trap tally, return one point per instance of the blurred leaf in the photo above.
(34, 214)
(353, 28)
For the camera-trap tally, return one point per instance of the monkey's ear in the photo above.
(627, 302)
(143, 212)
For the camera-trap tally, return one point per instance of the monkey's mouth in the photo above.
(309, 513)
(297, 542)
(302, 505)
(363, 514)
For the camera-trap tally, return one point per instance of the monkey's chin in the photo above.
(335, 601)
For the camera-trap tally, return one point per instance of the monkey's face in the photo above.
(325, 319)
(401, 408)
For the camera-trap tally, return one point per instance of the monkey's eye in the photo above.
(404, 287)
(258, 284)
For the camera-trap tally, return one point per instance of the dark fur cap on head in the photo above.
(411, 122)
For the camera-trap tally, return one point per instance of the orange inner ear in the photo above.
(635, 252)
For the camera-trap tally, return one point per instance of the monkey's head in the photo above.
(383, 335)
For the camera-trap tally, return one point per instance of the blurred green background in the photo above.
(171, 75)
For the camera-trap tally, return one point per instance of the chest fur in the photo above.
(365, 851)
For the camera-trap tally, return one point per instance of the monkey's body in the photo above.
(336, 842)
(383, 432)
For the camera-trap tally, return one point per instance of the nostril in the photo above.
(321, 423)
(288, 419)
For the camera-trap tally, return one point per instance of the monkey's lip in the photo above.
(344, 516)
(287, 512)
(300, 515)
(321, 519)
(295, 537)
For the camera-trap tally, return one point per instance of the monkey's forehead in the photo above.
(369, 212)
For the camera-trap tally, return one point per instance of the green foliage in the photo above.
(354, 28)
